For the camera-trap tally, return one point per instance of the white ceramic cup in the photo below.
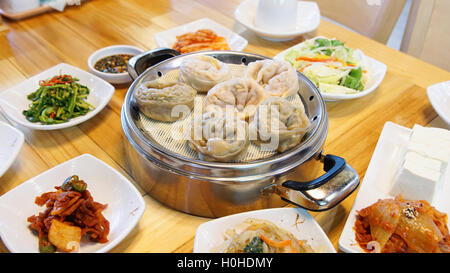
(15, 6)
(276, 15)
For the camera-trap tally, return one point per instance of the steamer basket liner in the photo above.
(172, 135)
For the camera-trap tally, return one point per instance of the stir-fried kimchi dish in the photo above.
(261, 236)
(70, 213)
(402, 226)
(203, 39)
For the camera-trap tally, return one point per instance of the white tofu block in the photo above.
(434, 138)
(432, 141)
(434, 133)
(416, 182)
(426, 162)
(440, 153)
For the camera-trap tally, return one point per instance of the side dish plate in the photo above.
(14, 100)
(295, 220)
(125, 204)
(439, 96)
(378, 180)
(169, 37)
(376, 69)
(11, 141)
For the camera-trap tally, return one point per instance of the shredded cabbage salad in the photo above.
(332, 66)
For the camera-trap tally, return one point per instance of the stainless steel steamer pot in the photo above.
(213, 189)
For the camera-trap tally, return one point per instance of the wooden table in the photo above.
(3, 27)
(36, 44)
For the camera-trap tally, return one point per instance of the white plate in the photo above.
(439, 96)
(379, 177)
(14, 100)
(107, 186)
(115, 78)
(11, 140)
(169, 37)
(376, 69)
(210, 234)
(308, 19)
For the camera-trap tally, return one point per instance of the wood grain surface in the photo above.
(38, 43)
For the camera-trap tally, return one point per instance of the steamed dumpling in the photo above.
(241, 95)
(277, 77)
(216, 136)
(157, 100)
(203, 72)
(278, 124)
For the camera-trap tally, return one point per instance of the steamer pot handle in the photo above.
(138, 64)
(325, 192)
(331, 164)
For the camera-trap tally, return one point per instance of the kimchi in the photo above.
(70, 213)
(402, 226)
(203, 39)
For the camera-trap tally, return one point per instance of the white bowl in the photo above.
(308, 19)
(439, 96)
(11, 141)
(376, 69)
(169, 37)
(107, 186)
(295, 220)
(14, 100)
(118, 78)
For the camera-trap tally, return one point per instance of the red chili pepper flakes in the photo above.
(61, 79)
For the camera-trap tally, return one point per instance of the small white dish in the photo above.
(107, 186)
(169, 37)
(295, 220)
(376, 69)
(308, 19)
(14, 100)
(119, 78)
(11, 141)
(379, 179)
(15, 6)
(439, 96)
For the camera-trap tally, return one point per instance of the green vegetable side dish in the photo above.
(333, 67)
(256, 245)
(58, 100)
